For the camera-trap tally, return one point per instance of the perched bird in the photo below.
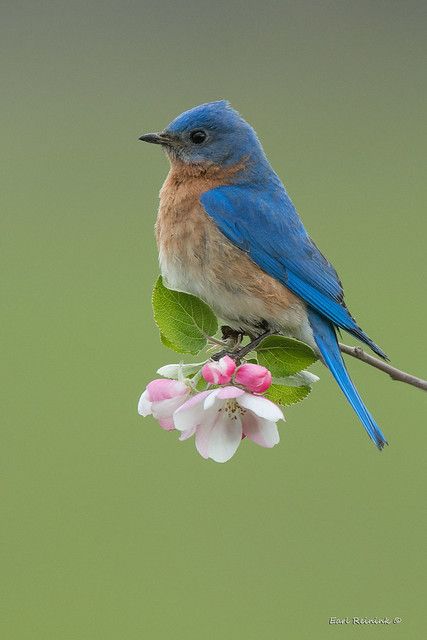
(228, 233)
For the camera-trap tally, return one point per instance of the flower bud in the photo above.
(219, 372)
(254, 377)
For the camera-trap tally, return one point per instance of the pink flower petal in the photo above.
(261, 431)
(219, 372)
(229, 392)
(164, 389)
(254, 377)
(167, 424)
(161, 398)
(223, 393)
(261, 406)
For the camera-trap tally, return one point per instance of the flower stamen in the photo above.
(233, 409)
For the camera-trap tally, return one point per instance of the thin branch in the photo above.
(395, 374)
(241, 353)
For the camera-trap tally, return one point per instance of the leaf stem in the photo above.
(220, 343)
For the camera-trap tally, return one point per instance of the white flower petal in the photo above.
(300, 379)
(165, 408)
(203, 433)
(190, 413)
(188, 433)
(225, 437)
(210, 398)
(170, 371)
(308, 377)
(261, 406)
(175, 371)
(144, 405)
(222, 394)
(259, 430)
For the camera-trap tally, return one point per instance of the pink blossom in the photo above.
(161, 398)
(219, 372)
(254, 377)
(220, 418)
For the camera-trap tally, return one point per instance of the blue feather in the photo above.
(326, 340)
(265, 224)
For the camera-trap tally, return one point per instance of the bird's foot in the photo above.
(228, 333)
(231, 339)
(238, 354)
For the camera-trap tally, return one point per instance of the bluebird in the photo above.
(228, 233)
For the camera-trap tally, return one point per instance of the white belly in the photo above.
(235, 307)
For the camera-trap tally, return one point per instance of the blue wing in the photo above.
(265, 224)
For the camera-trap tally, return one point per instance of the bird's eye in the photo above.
(198, 136)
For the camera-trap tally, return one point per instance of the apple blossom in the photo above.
(219, 419)
(161, 398)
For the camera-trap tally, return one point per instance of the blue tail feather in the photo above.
(326, 340)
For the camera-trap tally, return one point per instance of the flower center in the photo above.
(233, 409)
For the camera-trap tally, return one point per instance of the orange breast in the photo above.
(196, 257)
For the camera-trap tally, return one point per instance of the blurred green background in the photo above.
(112, 528)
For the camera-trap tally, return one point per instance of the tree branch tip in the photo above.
(394, 373)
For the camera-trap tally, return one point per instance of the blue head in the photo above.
(212, 133)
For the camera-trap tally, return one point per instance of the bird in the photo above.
(228, 232)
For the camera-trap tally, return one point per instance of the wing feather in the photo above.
(267, 227)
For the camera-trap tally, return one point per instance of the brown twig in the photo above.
(243, 351)
(395, 374)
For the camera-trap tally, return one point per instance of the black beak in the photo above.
(155, 138)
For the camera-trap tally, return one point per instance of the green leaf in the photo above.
(184, 321)
(167, 343)
(286, 395)
(284, 356)
(201, 384)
